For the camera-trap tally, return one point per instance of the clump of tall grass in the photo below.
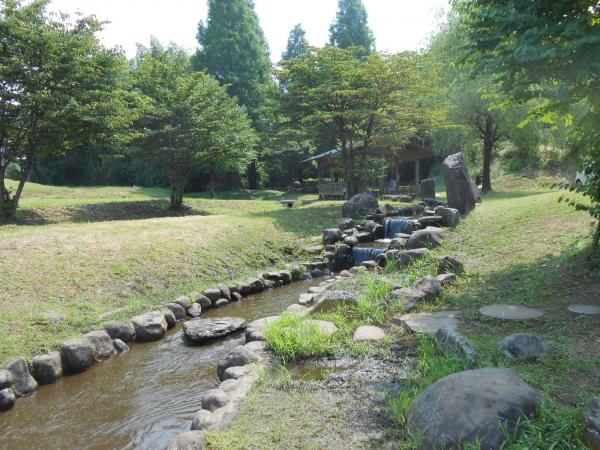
(293, 337)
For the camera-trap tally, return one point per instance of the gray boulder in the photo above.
(331, 236)
(360, 205)
(6, 378)
(177, 310)
(201, 299)
(450, 341)
(286, 276)
(7, 399)
(184, 301)
(191, 440)
(120, 346)
(255, 330)
(120, 330)
(239, 356)
(23, 382)
(460, 191)
(524, 346)
(430, 286)
(346, 223)
(213, 294)
(296, 273)
(424, 239)
(449, 264)
(77, 355)
(47, 368)
(591, 422)
(342, 258)
(102, 343)
(406, 257)
(194, 311)
(225, 291)
(214, 399)
(169, 318)
(236, 297)
(427, 188)
(331, 300)
(472, 406)
(451, 216)
(446, 279)
(351, 241)
(150, 326)
(203, 330)
(204, 420)
(256, 285)
(410, 297)
(221, 302)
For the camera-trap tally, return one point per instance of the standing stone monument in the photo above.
(427, 188)
(460, 191)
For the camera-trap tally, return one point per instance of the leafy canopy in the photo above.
(350, 28)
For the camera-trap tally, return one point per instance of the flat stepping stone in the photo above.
(204, 330)
(367, 333)
(427, 322)
(511, 312)
(585, 310)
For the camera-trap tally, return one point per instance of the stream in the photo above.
(139, 400)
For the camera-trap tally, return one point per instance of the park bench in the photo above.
(332, 191)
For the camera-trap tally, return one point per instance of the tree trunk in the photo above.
(347, 163)
(3, 194)
(596, 239)
(176, 195)
(211, 185)
(252, 173)
(24, 178)
(488, 147)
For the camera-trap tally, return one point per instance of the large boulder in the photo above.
(475, 406)
(203, 330)
(213, 294)
(102, 343)
(191, 440)
(6, 378)
(360, 205)
(77, 355)
(47, 368)
(120, 330)
(451, 216)
(23, 382)
(428, 188)
(430, 286)
(177, 310)
(346, 223)
(330, 300)
(406, 257)
(239, 356)
(408, 296)
(255, 330)
(591, 421)
(201, 299)
(460, 191)
(424, 239)
(331, 236)
(150, 326)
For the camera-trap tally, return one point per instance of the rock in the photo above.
(184, 301)
(345, 274)
(465, 407)
(424, 239)
(221, 302)
(330, 300)
(346, 223)
(451, 341)
(326, 327)
(446, 279)
(427, 188)
(591, 422)
(406, 257)
(201, 299)
(120, 346)
(398, 244)
(214, 399)
(191, 440)
(357, 270)
(120, 330)
(77, 355)
(150, 326)
(235, 372)
(102, 344)
(47, 368)
(430, 286)
(370, 265)
(351, 241)
(360, 205)
(410, 297)
(225, 291)
(449, 264)
(524, 346)
(53, 318)
(177, 310)
(306, 299)
(584, 310)
(460, 191)
(368, 333)
(256, 285)
(342, 259)
(296, 273)
(426, 322)
(375, 229)
(286, 276)
(239, 356)
(255, 330)
(272, 276)
(331, 236)
(170, 318)
(297, 309)
(7, 399)
(212, 294)
(23, 383)
(195, 310)
(204, 330)
(382, 260)
(402, 236)
(6, 378)
(510, 312)
(236, 297)
(204, 420)
(451, 216)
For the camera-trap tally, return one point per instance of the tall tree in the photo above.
(350, 28)
(297, 45)
(59, 88)
(190, 120)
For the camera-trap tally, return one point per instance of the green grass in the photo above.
(293, 336)
(128, 254)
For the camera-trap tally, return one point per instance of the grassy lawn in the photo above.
(82, 259)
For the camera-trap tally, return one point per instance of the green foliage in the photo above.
(190, 120)
(297, 45)
(373, 307)
(292, 337)
(350, 28)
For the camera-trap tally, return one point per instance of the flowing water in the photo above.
(139, 400)
(362, 253)
(394, 226)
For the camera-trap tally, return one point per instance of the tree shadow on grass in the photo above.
(103, 212)
(572, 372)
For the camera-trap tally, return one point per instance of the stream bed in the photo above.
(138, 400)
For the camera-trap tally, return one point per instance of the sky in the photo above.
(397, 24)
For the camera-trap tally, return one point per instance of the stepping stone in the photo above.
(427, 322)
(511, 312)
(586, 310)
(203, 330)
(368, 333)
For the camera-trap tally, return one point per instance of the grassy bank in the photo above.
(80, 259)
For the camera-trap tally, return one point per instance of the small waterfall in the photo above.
(362, 254)
(394, 226)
